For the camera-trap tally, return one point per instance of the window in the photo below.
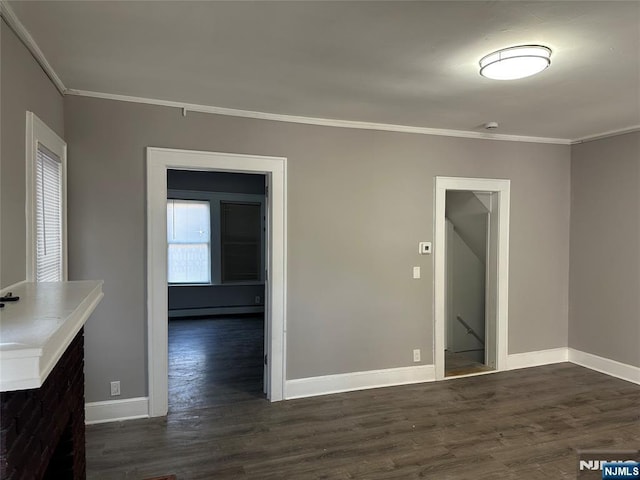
(46, 203)
(189, 241)
(215, 238)
(240, 241)
(48, 216)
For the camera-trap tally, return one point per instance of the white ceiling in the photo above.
(393, 62)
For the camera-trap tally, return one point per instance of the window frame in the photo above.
(215, 198)
(37, 132)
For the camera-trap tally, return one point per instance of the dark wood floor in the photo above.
(524, 424)
(215, 361)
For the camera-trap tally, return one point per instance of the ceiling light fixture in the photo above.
(515, 62)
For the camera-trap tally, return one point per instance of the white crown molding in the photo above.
(116, 410)
(25, 37)
(610, 133)
(325, 122)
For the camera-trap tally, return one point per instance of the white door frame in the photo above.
(159, 160)
(502, 188)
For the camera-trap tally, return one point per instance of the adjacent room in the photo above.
(215, 276)
(303, 240)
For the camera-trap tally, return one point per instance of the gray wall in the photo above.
(469, 216)
(605, 242)
(23, 86)
(194, 297)
(468, 297)
(358, 203)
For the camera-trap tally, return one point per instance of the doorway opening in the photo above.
(232, 267)
(468, 247)
(216, 226)
(471, 276)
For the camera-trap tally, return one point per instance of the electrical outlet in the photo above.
(115, 388)
(416, 355)
(257, 299)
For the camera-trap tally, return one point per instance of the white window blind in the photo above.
(188, 239)
(49, 258)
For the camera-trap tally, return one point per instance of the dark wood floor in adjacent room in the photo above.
(523, 424)
(215, 361)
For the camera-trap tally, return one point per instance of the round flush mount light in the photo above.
(515, 62)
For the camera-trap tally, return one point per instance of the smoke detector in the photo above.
(491, 125)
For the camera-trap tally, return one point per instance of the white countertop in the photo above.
(36, 330)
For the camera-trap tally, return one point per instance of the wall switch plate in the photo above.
(416, 355)
(416, 272)
(424, 248)
(115, 388)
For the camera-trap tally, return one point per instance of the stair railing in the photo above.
(470, 331)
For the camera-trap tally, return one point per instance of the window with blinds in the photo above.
(48, 216)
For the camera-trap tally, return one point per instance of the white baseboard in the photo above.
(605, 365)
(537, 358)
(347, 382)
(131, 408)
(584, 359)
(116, 410)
